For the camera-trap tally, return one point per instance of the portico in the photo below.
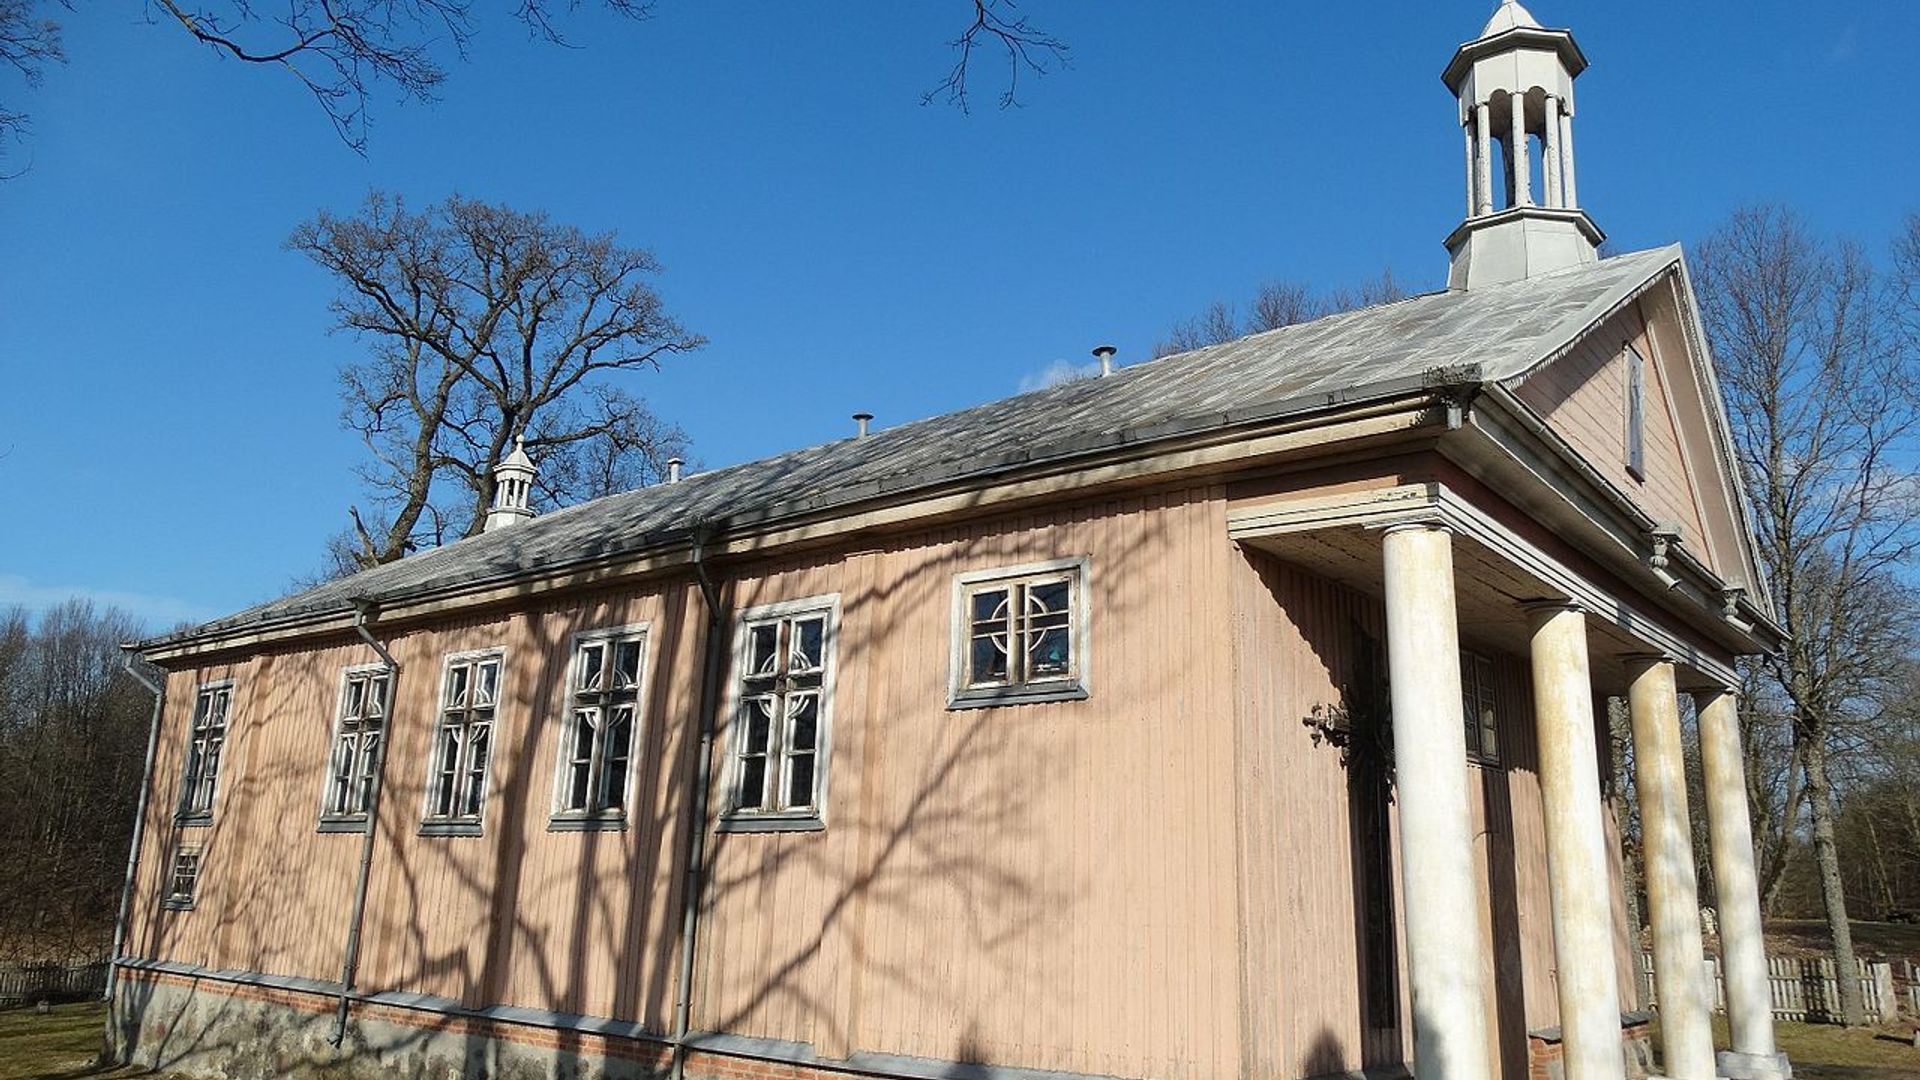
(1450, 566)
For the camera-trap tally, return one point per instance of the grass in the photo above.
(57, 1045)
(1829, 1052)
(1871, 940)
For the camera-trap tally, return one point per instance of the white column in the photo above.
(1518, 155)
(1473, 170)
(1577, 876)
(1743, 950)
(1483, 134)
(1445, 945)
(1569, 197)
(1550, 150)
(1673, 897)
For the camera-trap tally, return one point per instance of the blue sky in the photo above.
(171, 438)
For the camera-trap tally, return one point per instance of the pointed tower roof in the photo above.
(1510, 16)
(1513, 29)
(518, 459)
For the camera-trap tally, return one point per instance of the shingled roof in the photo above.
(1504, 331)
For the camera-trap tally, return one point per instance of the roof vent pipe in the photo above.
(863, 419)
(1105, 353)
(673, 470)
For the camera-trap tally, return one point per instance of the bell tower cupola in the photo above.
(1515, 85)
(512, 489)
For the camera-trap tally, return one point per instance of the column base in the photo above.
(1737, 1066)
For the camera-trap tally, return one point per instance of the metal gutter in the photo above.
(139, 815)
(713, 665)
(364, 613)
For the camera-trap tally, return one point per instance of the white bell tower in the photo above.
(1515, 85)
(512, 489)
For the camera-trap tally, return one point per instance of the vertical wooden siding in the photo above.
(1153, 882)
(1049, 885)
(1583, 396)
(1301, 999)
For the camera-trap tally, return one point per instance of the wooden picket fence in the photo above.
(24, 984)
(1806, 989)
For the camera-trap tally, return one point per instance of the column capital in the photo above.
(1550, 607)
(1422, 525)
(1641, 661)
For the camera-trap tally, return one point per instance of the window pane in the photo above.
(615, 746)
(808, 635)
(1047, 596)
(626, 667)
(356, 693)
(202, 709)
(989, 604)
(479, 746)
(579, 760)
(800, 780)
(753, 783)
(759, 724)
(486, 682)
(763, 649)
(457, 677)
(989, 663)
(804, 712)
(592, 660)
(447, 768)
(1049, 654)
(377, 695)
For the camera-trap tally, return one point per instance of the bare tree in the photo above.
(486, 325)
(1825, 423)
(997, 25)
(344, 51)
(28, 43)
(1276, 304)
(72, 744)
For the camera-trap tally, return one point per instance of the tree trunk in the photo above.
(1826, 855)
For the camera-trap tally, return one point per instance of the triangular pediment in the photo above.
(1686, 476)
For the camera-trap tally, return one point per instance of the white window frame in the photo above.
(1074, 686)
(564, 819)
(1636, 410)
(170, 898)
(188, 814)
(776, 817)
(1479, 700)
(330, 820)
(433, 823)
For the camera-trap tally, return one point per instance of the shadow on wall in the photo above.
(948, 845)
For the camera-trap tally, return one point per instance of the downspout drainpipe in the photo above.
(139, 821)
(716, 647)
(364, 612)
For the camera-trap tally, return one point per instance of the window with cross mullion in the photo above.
(780, 738)
(358, 734)
(603, 711)
(463, 743)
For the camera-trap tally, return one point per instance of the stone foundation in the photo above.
(237, 1027)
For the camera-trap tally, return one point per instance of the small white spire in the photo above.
(512, 488)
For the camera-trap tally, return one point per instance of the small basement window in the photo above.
(183, 880)
(463, 743)
(1477, 701)
(1019, 635)
(357, 733)
(205, 745)
(782, 718)
(603, 709)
